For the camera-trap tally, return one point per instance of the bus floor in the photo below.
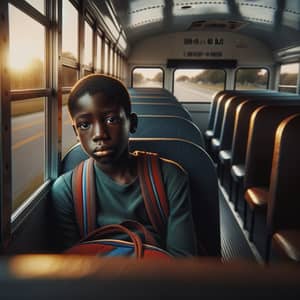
(235, 243)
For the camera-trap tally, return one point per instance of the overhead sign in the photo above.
(199, 47)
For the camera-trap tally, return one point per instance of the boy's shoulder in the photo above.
(63, 180)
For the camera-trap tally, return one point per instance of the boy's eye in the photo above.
(112, 120)
(83, 125)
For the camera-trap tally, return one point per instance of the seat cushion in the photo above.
(225, 156)
(289, 242)
(257, 197)
(238, 172)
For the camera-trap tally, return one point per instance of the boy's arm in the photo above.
(63, 219)
(180, 239)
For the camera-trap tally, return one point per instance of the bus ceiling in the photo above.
(256, 18)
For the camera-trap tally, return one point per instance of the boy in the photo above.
(101, 115)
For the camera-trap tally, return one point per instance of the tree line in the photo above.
(218, 76)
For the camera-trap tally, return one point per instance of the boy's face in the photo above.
(102, 127)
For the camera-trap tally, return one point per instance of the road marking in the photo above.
(29, 139)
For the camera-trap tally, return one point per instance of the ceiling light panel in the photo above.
(291, 14)
(258, 11)
(145, 12)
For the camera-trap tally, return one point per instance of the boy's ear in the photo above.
(74, 128)
(133, 122)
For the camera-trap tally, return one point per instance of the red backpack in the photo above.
(96, 241)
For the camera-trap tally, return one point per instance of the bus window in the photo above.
(106, 50)
(198, 84)
(26, 59)
(69, 31)
(288, 78)
(147, 77)
(27, 147)
(88, 45)
(38, 4)
(249, 79)
(68, 135)
(69, 76)
(99, 56)
(27, 73)
(111, 61)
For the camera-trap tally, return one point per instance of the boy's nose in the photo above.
(100, 131)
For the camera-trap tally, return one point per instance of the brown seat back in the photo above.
(242, 122)
(284, 202)
(263, 125)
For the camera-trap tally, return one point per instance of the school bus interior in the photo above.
(216, 87)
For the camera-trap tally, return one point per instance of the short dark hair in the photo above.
(99, 83)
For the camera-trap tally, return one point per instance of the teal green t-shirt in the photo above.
(117, 203)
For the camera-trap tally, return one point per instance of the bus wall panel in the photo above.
(33, 235)
(200, 45)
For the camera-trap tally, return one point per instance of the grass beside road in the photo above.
(29, 106)
(25, 107)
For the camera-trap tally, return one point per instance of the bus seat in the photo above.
(144, 108)
(223, 151)
(203, 182)
(154, 100)
(218, 124)
(218, 119)
(149, 91)
(240, 137)
(211, 118)
(36, 276)
(283, 221)
(261, 137)
(168, 126)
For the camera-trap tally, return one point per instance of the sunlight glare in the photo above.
(25, 46)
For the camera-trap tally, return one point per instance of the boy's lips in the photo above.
(102, 151)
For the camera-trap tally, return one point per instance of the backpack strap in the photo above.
(83, 189)
(153, 189)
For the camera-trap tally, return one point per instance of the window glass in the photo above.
(38, 4)
(26, 58)
(111, 62)
(288, 78)
(147, 77)
(122, 68)
(28, 148)
(248, 79)
(68, 135)
(69, 76)
(88, 45)
(197, 84)
(115, 64)
(69, 31)
(87, 72)
(106, 58)
(99, 58)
